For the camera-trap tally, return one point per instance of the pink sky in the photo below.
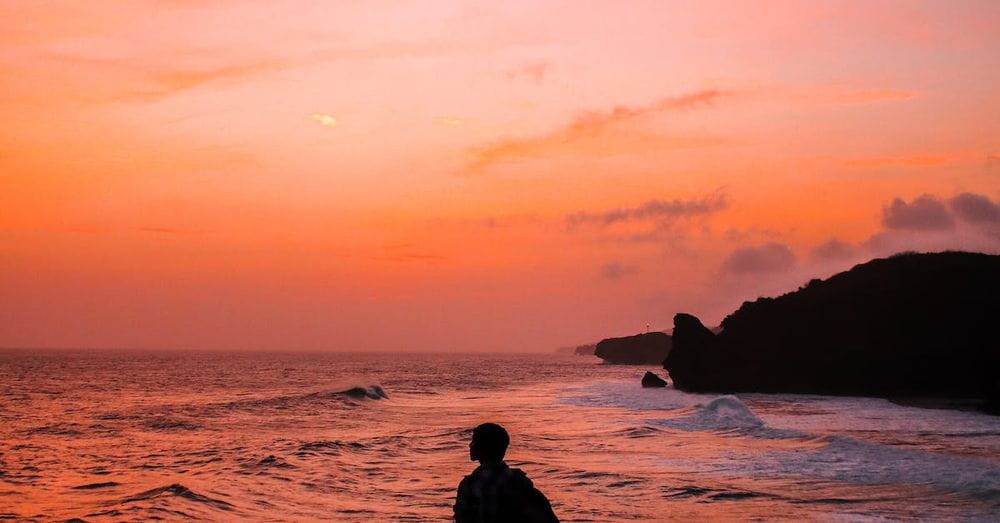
(472, 176)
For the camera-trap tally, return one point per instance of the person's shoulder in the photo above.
(472, 477)
(467, 480)
(518, 472)
(520, 477)
(533, 504)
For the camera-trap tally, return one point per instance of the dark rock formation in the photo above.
(579, 350)
(374, 392)
(652, 380)
(908, 325)
(993, 397)
(640, 349)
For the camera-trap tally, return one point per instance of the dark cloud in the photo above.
(927, 224)
(833, 250)
(762, 259)
(617, 271)
(663, 210)
(975, 208)
(925, 213)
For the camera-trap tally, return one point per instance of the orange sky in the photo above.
(472, 176)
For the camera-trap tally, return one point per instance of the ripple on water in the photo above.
(179, 491)
(260, 437)
(328, 447)
(93, 486)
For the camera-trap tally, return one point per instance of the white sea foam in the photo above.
(866, 441)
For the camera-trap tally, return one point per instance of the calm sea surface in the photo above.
(141, 435)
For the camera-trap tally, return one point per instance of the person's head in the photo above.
(489, 443)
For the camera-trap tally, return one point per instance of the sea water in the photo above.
(120, 435)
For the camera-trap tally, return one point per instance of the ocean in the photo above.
(132, 435)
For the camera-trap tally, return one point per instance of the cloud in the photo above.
(975, 208)
(325, 120)
(406, 252)
(417, 257)
(918, 160)
(150, 78)
(873, 95)
(587, 125)
(834, 250)
(410, 257)
(617, 271)
(662, 210)
(993, 161)
(762, 259)
(927, 224)
(449, 121)
(925, 213)
(167, 230)
(534, 71)
(840, 94)
(172, 81)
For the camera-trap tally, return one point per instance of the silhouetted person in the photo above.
(494, 492)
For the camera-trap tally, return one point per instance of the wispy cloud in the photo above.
(587, 125)
(409, 256)
(168, 230)
(874, 95)
(659, 210)
(405, 252)
(841, 94)
(917, 160)
(617, 270)
(106, 229)
(162, 84)
(534, 71)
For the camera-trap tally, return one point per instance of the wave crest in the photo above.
(178, 490)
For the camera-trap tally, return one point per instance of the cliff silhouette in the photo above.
(912, 325)
(646, 348)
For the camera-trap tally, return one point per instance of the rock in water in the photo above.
(908, 325)
(652, 380)
(374, 392)
(641, 349)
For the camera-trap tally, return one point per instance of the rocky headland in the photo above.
(641, 349)
(912, 325)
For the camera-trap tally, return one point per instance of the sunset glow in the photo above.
(456, 176)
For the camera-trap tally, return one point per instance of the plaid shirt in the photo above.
(496, 493)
